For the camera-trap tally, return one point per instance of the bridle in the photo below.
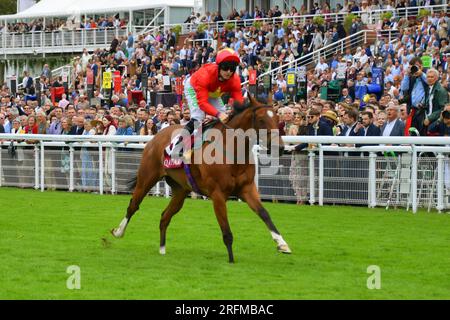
(254, 110)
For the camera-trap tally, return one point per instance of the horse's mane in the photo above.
(239, 108)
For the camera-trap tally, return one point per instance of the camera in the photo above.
(360, 119)
(414, 70)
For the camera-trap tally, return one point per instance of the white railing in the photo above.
(42, 42)
(368, 17)
(418, 175)
(313, 57)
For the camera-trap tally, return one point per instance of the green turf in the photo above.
(44, 233)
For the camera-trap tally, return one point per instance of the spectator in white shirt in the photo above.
(321, 66)
(393, 126)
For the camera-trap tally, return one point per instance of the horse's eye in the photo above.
(262, 124)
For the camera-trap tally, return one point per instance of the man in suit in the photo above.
(394, 126)
(142, 116)
(365, 127)
(436, 99)
(78, 127)
(316, 127)
(349, 119)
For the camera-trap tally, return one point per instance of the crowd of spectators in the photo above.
(156, 56)
(71, 23)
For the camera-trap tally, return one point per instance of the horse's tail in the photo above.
(131, 184)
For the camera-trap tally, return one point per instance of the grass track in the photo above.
(44, 233)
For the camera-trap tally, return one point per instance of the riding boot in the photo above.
(186, 150)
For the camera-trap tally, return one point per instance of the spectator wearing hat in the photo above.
(331, 117)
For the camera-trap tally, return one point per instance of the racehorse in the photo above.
(216, 181)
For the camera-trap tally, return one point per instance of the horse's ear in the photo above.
(253, 101)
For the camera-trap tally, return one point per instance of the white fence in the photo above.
(61, 41)
(69, 41)
(417, 175)
(368, 17)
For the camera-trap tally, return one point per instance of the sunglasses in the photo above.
(310, 117)
(228, 66)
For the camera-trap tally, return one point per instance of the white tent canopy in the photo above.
(66, 8)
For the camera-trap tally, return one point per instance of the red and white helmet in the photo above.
(227, 55)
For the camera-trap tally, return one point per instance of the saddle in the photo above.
(197, 141)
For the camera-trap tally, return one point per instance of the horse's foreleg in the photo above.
(143, 186)
(220, 210)
(251, 196)
(176, 203)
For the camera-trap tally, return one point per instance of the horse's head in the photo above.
(264, 120)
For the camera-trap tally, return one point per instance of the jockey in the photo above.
(203, 90)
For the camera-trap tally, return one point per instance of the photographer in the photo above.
(415, 89)
(365, 126)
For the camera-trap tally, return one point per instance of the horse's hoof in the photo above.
(116, 234)
(162, 250)
(284, 248)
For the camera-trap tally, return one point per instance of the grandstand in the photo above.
(58, 29)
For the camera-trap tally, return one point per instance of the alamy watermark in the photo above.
(74, 280)
(374, 280)
(230, 146)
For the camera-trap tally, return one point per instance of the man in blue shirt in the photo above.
(414, 89)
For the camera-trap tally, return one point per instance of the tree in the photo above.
(8, 6)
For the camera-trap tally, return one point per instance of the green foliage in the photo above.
(287, 23)
(319, 20)
(332, 247)
(8, 6)
(202, 27)
(348, 22)
(229, 26)
(257, 24)
(386, 15)
(423, 13)
(177, 30)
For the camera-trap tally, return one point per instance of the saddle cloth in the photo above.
(176, 162)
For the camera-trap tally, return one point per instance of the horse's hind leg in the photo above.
(251, 196)
(143, 186)
(176, 203)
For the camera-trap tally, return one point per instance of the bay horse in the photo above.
(216, 181)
